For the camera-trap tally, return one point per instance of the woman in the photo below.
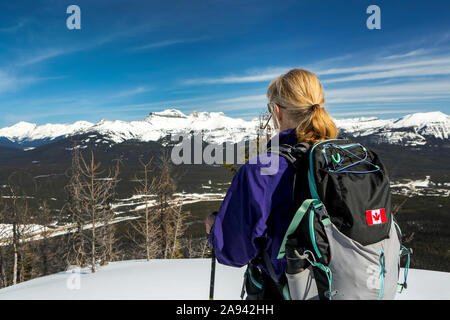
(257, 209)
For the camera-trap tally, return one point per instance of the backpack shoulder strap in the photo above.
(291, 153)
(273, 275)
(294, 156)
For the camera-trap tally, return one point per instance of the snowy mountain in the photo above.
(411, 130)
(168, 280)
(215, 126)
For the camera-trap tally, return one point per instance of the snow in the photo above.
(410, 188)
(418, 120)
(217, 128)
(19, 129)
(428, 188)
(186, 198)
(362, 126)
(422, 183)
(177, 279)
(29, 131)
(412, 129)
(422, 119)
(122, 206)
(6, 230)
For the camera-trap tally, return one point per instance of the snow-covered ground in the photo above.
(184, 279)
(412, 188)
(127, 206)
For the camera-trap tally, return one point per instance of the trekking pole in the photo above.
(213, 275)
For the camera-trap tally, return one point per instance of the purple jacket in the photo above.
(255, 206)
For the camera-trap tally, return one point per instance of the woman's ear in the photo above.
(278, 113)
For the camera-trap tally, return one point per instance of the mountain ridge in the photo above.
(410, 130)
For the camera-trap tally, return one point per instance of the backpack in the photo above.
(343, 242)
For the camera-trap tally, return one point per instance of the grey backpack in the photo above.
(343, 242)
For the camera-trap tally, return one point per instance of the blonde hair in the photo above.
(301, 94)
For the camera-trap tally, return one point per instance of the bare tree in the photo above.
(145, 230)
(3, 268)
(4, 235)
(178, 217)
(19, 214)
(76, 253)
(196, 248)
(91, 191)
(168, 211)
(164, 189)
(106, 237)
(48, 253)
(16, 215)
(163, 224)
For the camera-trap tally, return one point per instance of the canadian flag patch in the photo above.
(376, 216)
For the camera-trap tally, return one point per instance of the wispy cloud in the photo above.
(167, 43)
(43, 55)
(425, 88)
(132, 92)
(393, 94)
(11, 29)
(429, 65)
(416, 77)
(443, 69)
(266, 75)
(430, 61)
(413, 53)
(374, 112)
(257, 98)
(10, 82)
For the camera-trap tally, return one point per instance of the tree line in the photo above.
(36, 240)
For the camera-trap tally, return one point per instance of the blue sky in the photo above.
(133, 57)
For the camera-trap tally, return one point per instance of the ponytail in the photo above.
(317, 127)
(301, 94)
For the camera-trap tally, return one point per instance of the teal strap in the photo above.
(398, 228)
(382, 272)
(329, 275)
(311, 229)
(294, 224)
(256, 283)
(286, 293)
(312, 185)
(404, 251)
